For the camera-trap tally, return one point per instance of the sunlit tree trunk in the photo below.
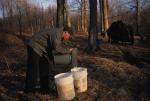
(83, 16)
(105, 16)
(68, 21)
(66, 14)
(78, 24)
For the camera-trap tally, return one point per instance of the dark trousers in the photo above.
(74, 57)
(37, 71)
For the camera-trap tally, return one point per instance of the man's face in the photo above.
(66, 35)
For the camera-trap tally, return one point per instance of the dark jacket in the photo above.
(46, 41)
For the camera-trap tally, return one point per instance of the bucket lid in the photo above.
(63, 78)
(79, 72)
(78, 69)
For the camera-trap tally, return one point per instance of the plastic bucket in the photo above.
(62, 59)
(65, 86)
(80, 79)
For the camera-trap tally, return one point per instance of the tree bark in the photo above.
(137, 16)
(92, 44)
(101, 17)
(60, 14)
(105, 16)
(83, 16)
(2, 4)
(66, 14)
(85, 19)
(19, 17)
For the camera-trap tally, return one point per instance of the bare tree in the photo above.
(92, 44)
(2, 6)
(137, 16)
(82, 15)
(19, 11)
(83, 23)
(60, 12)
(51, 16)
(66, 14)
(105, 16)
(101, 16)
(85, 15)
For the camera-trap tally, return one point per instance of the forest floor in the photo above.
(115, 72)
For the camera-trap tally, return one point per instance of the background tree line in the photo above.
(93, 16)
(23, 16)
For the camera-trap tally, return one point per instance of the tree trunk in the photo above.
(92, 44)
(65, 12)
(68, 21)
(82, 16)
(19, 17)
(85, 19)
(20, 22)
(105, 16)
(137, 16)
(101, 17)
(66, 17)
(11, 13)
(3, 14)
(60, 14)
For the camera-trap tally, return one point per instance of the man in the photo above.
(40, 50)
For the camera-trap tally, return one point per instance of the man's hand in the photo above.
(70, 49)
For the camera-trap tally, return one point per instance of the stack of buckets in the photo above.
(66, 82)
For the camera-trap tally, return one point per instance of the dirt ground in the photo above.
(115, 72)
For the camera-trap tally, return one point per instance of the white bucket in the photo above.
(65, 86)
(80, 79)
